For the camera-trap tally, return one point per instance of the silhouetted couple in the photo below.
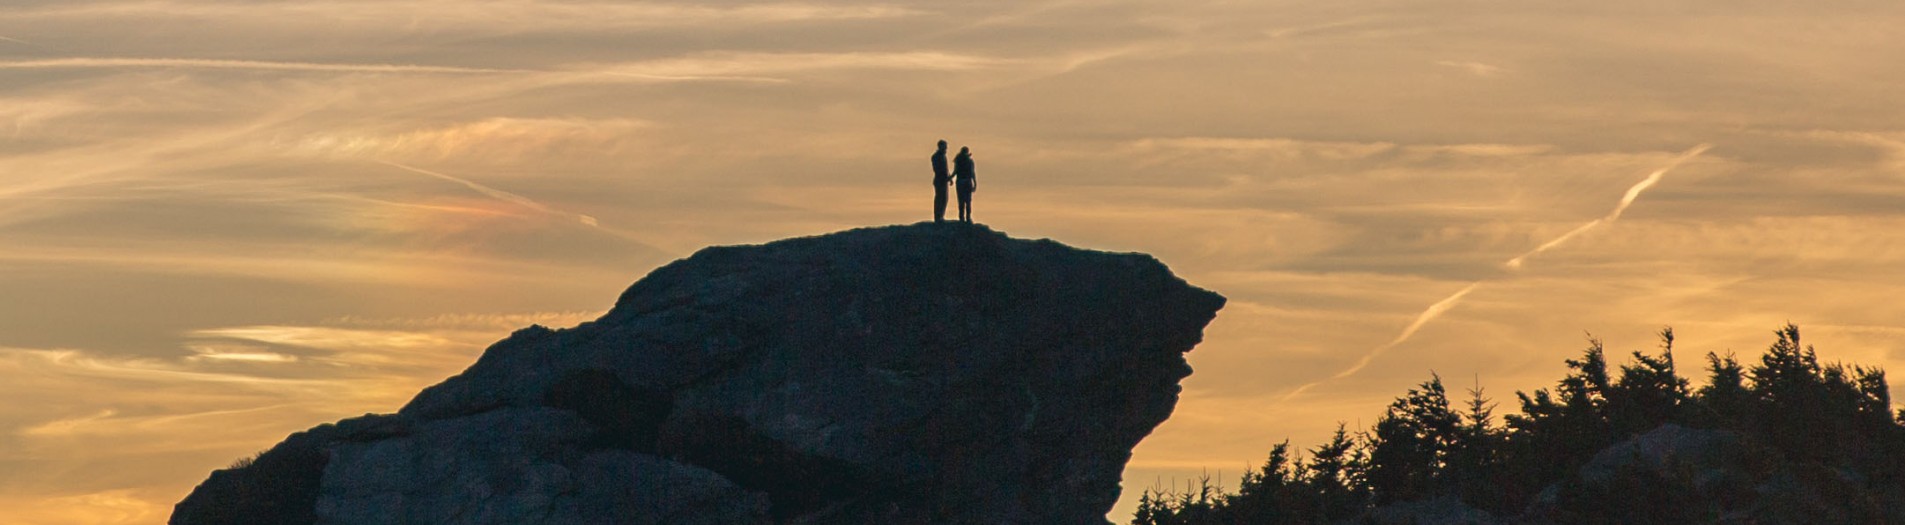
(961, 176)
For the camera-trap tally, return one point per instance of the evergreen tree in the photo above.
(1649, 393)
(1837, 441)
(1553, 437)
(1724, 402)
(1198, 503)
(1410, 443)
(1790, 388)
(1335, 477)
(1273, 494)
(1474, 466)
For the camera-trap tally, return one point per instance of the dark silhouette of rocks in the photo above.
(907, 374)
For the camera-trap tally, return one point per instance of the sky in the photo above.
(225, 221)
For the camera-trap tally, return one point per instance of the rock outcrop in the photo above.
(1675, 474)
(933, 373)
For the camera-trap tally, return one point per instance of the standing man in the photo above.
(967, 181)
(940, 178)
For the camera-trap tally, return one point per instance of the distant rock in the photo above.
(932, 373)
(1445, 510)
(1675, 474)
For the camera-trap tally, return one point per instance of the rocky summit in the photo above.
(931, 373)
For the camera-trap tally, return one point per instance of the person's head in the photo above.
(964, 151)
(942, 145)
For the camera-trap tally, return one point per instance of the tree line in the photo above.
(1788, 415)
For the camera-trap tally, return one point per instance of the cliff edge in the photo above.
(930, 373)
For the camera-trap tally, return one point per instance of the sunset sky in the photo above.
(225, 221)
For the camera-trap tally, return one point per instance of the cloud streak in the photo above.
(583, 219)
(756, 67)
(1474, 68)
(206, 63)
(1443, 306)
(1627, 199)
(500, 16)
(1429, 314)
(178, 417)
(500, 195)
(721, 66)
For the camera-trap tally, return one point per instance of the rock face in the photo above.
(933, 373)
(1674, 474)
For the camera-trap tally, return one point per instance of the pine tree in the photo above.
(1335, 477)
(1724, 402)
(1272, 494)
(1475, 460)
(1552, 437)
(1649, 392)
(1789, 387)
(1830, 424)
(1410, 444)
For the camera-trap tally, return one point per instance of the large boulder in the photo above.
(933, 373)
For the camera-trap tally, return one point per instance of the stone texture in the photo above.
(1445, 510)
(1675, 474)
(911, 374)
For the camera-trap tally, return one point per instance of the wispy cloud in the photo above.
(500, 195)
(1474, 68)
(1274, 147)
(494, 139)
(67, 426)
(1893, 144)
(94, 366)
(1627, 199)
(337, 339)
(760, 66)
(203, 63)
(497, 321)
(209, 352)
(234, 378)
(97, 412)
(102, 507)
(1355, 24)
(1443, 306)
(496, 16)
(1428, 314)
(1290, 148)
(706, 67)
(640, 240)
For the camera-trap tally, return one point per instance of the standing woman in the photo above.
(966, 180)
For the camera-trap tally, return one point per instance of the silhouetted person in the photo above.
(967, 182)
(940, 179)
